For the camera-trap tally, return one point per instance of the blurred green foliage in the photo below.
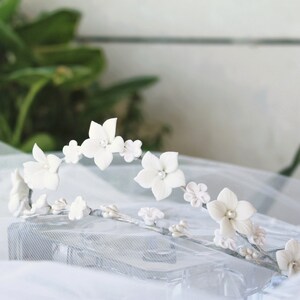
(50, 89)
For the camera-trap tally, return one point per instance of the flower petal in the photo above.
(90, 147)
(216, 210)
(51, 180)
(202, 187)
(96, 132)
(110, 129)
(103, 159)
(137, 151)
(54, 162)
(34, 175)
(150, 161)
(283, 258)
(175, 179)
(243, 227)
(244, 210)
(226, 228)
(192, 187)
(169, 161)
(117, 145)
(145, 178)
(229, 198)
(160, 190)
(38, 154)
(293, 247)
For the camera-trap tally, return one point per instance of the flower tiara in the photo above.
(237, 236)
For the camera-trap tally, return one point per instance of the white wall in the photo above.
(235, 103)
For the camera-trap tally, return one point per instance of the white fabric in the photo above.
(271, 194)
(49, 281)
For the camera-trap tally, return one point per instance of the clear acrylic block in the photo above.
(126, 249)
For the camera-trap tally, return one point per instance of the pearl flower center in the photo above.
(294, 264)
(162, 174)
(103, 143)
(46, 166)
(231, 214)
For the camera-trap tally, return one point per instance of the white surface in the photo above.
(206, 18)
(32, 280)
(241, 102)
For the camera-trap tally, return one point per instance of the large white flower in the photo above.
(42, 173)
(150, 215)
(132, 150)
(72, 152)
(233, 215)
(79, 209)
(160, 174)
(289, 259)
(196, 194)
(18, 200)
(102, 143)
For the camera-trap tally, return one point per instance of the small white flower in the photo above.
(72, 152)
(58, 206)
(42, 173)
(179, 230)
(39, 207)
(18, 200)
(102, 143)
(196, 194)
(150, 215)
(160, 174)
(233, 215)
(79, 209)
(223, 242)
(289, 259)
(257, 236)
(110, 211)
(131, 150)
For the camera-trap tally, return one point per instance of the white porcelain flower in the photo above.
(289, 259)
(233, 215)
(102, 143)
(39, 207)
(258, 235)
(42, 173)
(196, 194)
(150, 215)
(58, 206)
(109, 211)
(179, 230)
(72, 152)
(221, 241)
(160, 174)
(132, 150)
(79, 209)
(18, 200)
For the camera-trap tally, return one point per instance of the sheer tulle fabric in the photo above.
(166, 268)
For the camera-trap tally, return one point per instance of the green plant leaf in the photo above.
(289, 171)
(92, 59)
(44, 140)
(52, 28)
(29, 76)
(9, 38)
(57, 75)
(113, 94)
(7, 9)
